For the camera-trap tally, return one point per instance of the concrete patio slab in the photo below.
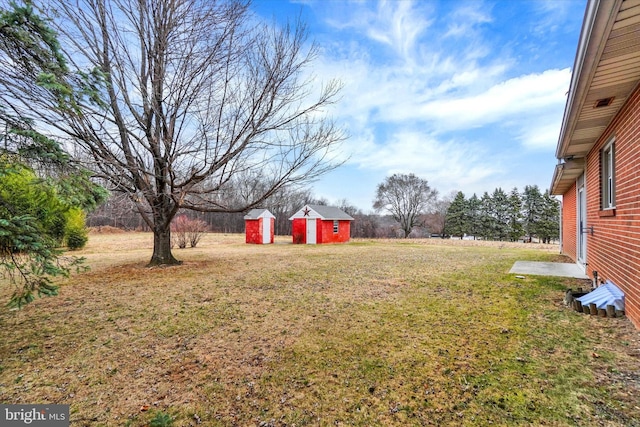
(559, 269)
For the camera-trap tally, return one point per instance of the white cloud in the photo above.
(542, 133)
(464, 20)
(397, 24)
(399, 97)
(552, 15)
(447, 165)
(448, 89)
(525, 95)
(450, 109)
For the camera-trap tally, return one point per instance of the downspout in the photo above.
(561, 239)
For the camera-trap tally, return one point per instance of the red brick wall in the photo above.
(614, 248)
(299, 230)
(328, 236)
(569, 223)
(344, 233)
(324, 231)
(253, 230)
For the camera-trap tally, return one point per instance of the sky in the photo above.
(468, 95)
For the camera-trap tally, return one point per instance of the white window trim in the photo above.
(608, 175)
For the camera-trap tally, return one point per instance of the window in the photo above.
(607, 168)
(336, 224)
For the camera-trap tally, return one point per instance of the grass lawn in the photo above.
(369, 333)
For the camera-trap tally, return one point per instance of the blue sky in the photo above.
(468, 95)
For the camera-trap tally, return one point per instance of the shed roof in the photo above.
(322, 212)
(258, 213)
(605, 74)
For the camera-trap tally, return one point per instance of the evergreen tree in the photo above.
(457, 218)
(39, 182)
(515, 215)
(549, 226)
(33, 224)
(487, 219)
(532, 206)
(500, 212)
(474, 223)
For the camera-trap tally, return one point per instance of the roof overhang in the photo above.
(325, 213)
(258, 213)
(606, 71)
(565, 175)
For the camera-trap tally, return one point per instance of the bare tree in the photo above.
(283, 204)
(406, 198)
(178, 98)
(117, 211)
(436, 220)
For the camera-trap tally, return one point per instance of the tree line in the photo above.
(119, 212)
(501, 216)
(405, 206)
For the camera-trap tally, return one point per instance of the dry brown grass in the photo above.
(106, 229)
(394, 332)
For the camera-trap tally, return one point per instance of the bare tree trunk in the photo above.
(163, 212)
(162, 247)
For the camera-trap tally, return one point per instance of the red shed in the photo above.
(320, 224)
(259, 224)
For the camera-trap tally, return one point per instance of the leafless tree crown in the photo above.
(406, 198)
(175, 101)
(191, 94)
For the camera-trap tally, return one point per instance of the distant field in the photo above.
(369, 333)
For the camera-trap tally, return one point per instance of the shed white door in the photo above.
(311, 231)
(266, 230)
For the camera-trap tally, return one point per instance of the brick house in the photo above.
(598, 171)
(320, 224)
